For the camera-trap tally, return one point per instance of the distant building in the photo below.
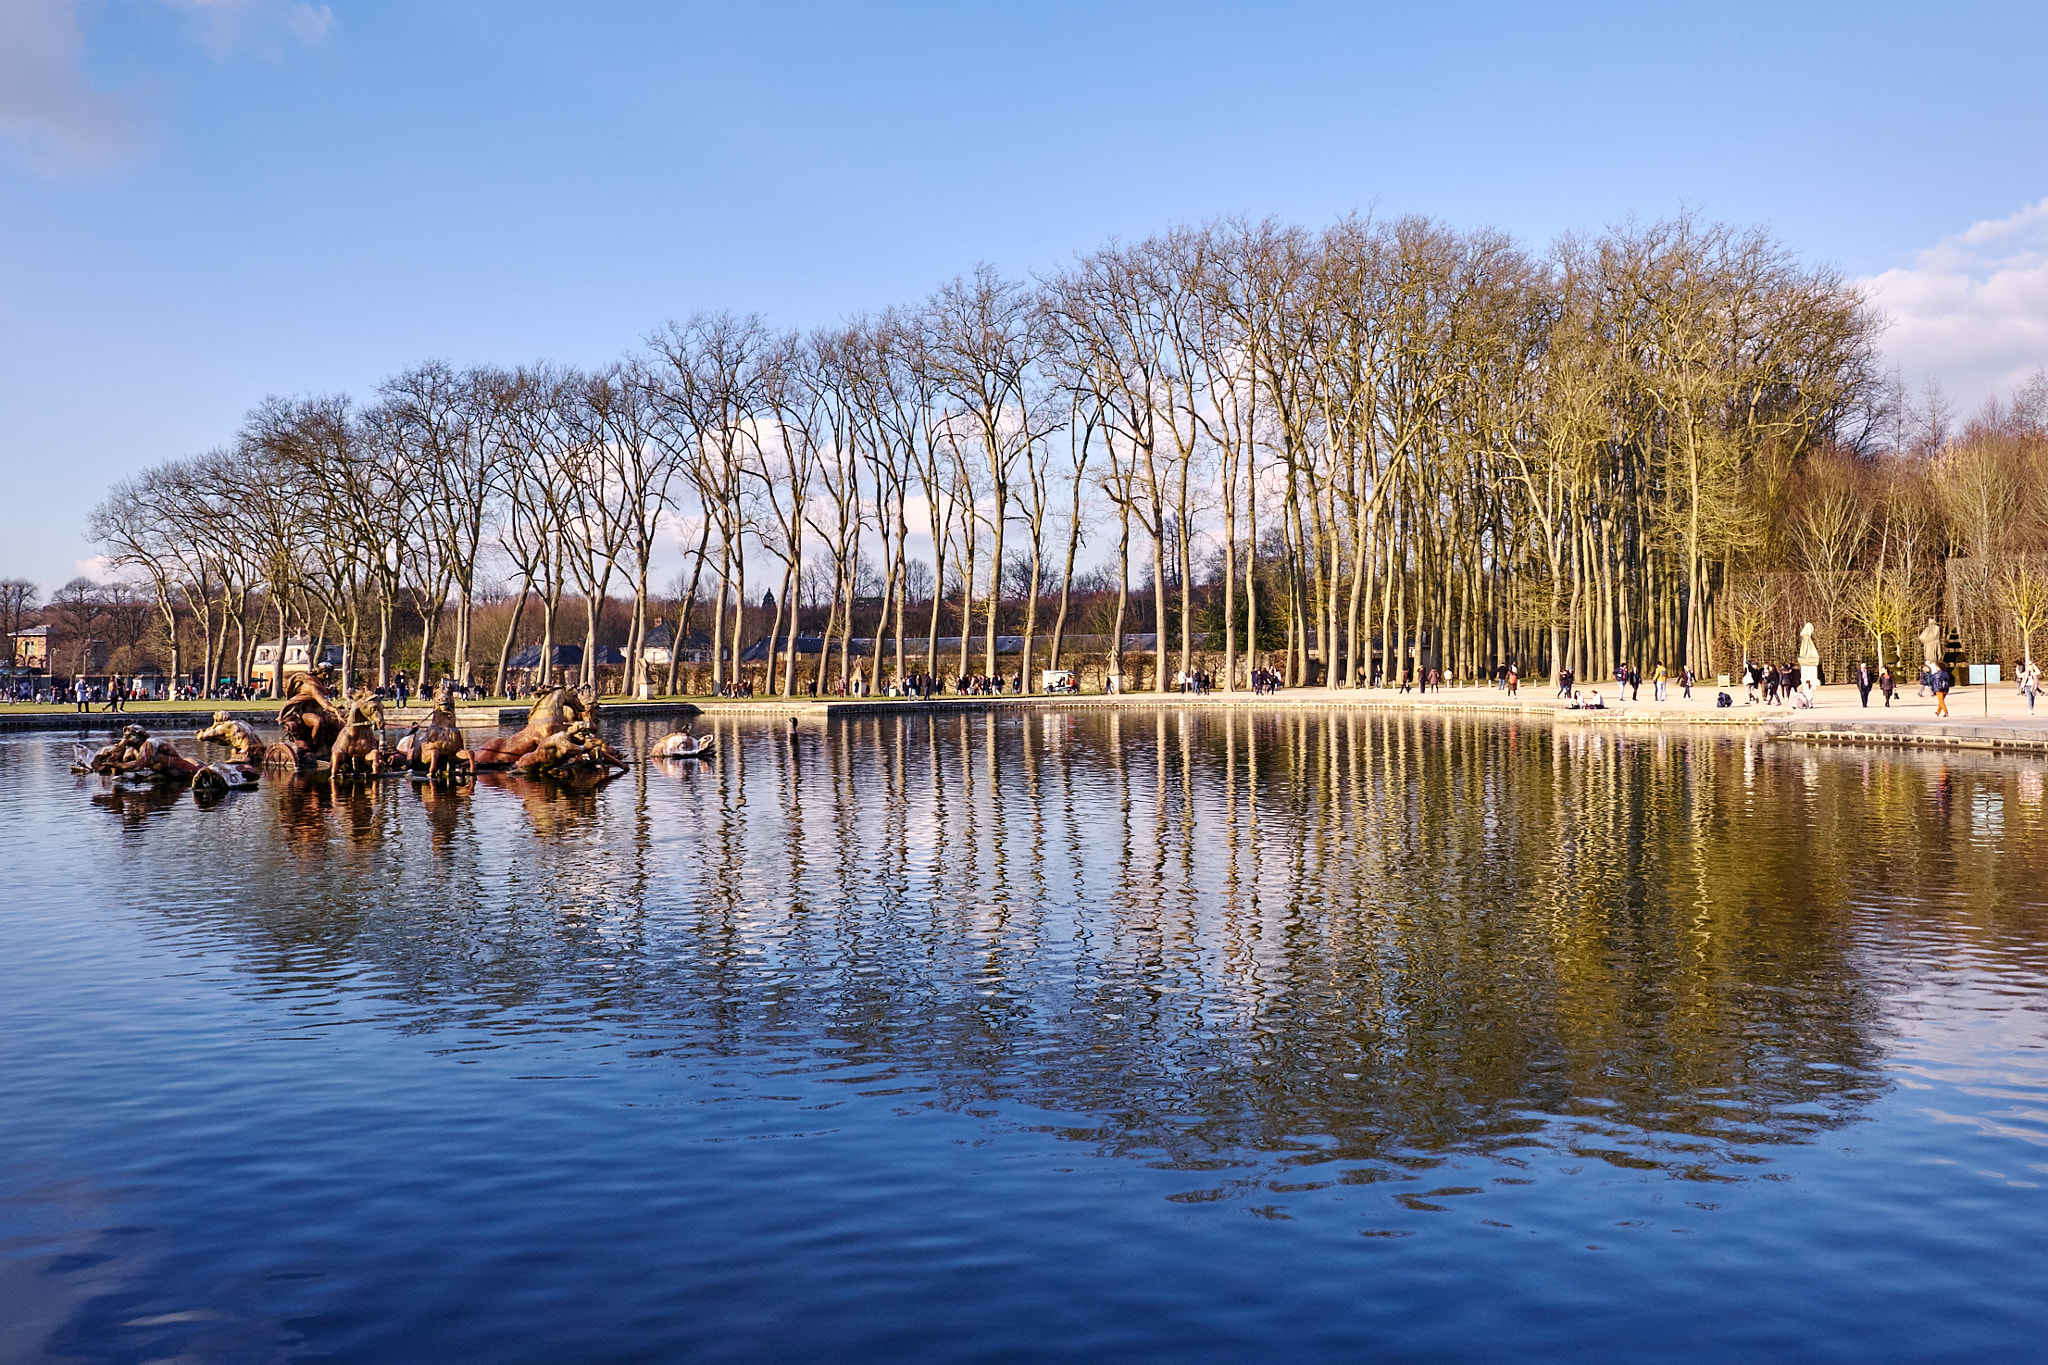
(298, 658)
(659, 650)
(29, 654)
(564, 662)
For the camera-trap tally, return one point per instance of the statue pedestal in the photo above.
(1810, 673)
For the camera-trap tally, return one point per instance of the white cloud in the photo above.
(99, 568)
(49, 111)
(1972, 310)
(54, 119)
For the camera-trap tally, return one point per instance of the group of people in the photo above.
(1266, 681)
(1880, 681)
(1432, 680)
(1779, 684)
(986, 685)
(116, 692)
(1193, 680)
(1628, 678)
(401, 690)
(1628, 684)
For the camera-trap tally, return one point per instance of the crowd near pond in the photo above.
(1141, 1034)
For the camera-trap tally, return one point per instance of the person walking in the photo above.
(1887, 684)
(1685, 682)
(1942, 681)
(1863, 682)
(2030, 683)
(1659, 681)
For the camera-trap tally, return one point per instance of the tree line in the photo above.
(1346, 453)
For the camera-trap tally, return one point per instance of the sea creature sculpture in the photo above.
(245, 746)
(136, 754)
(551, 715)
(576, 750)
(683, 744)
(225, 777)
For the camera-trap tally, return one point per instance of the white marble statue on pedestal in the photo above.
(1809, 656)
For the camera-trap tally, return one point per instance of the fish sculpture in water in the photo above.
(682, 744)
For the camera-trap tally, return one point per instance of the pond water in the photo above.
(1146, 1035)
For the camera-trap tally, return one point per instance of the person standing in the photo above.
(1863, 682)
(2030, 683)
(1887, 684)
(1659, 681)
(83, 693)
(1941, 682)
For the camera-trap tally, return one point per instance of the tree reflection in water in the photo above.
(1280, 950)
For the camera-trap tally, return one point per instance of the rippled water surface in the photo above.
(1136, 1036)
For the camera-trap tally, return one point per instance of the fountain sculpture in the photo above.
(551, 715)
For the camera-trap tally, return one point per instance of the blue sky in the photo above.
(205, 201)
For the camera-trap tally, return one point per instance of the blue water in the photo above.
(1150, 1036)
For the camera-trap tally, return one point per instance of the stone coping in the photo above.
(1957, 733)
(162, 717)
(2001, 722)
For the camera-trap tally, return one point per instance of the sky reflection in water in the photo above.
(1146, 1035)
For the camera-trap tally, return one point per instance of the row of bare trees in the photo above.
(1362, 450)
(1953, 528)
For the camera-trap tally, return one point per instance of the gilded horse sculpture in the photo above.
(437, 745)
(355, 752)
(578, 751)
(551, 715)
(309, 718)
